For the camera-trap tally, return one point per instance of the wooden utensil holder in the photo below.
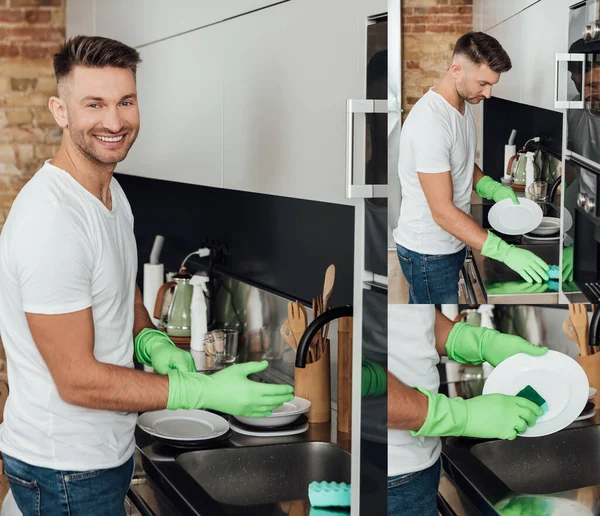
(313, 383)
(591, 366)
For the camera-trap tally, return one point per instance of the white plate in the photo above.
(284, 415)
(531, 236)
(274, 433)
(548, 226)
(586, 415)
(515, 219)
(558, 378)
(183, 425)
(592, 393)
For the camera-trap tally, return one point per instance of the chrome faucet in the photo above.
(315, 326)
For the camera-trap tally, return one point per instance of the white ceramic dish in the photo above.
(548, 226)
(558, 378)
(515, 219)
(183, 425)
(284, 415)
(273, 433)
(587, 415)
(530, 236)
(592, 393)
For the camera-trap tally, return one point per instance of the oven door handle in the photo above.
(569, 58)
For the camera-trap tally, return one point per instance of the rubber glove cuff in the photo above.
(465, 343)
(445, 416)
(146, 341)
(374, 379)
(181, 396)
(496, 248)
(493, 190)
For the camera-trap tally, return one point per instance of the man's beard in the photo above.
(87, 148)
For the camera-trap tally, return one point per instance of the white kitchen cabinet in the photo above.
(508, 8)
(539, 50)
(288, 71)
(477, 11)
(489, 14)
(139, 22)
(80, 18)
(509, 34)
(181, 110)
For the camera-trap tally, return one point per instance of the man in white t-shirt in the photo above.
(438, 172)
(418, 415)
(71, 315)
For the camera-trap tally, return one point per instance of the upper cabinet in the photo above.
(493, 12)
(288, 71)
(139, 22)
(524, 36)
(180, 98)
(256, 102)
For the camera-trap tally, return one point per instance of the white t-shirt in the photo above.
(435, 138)
(412, 358)
(61, 251)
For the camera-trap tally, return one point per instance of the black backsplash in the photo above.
(501, 116)
(276, 243)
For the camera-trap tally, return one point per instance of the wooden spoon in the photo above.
(288, 335)
(297, 320)
(327, 290)
(579, 320)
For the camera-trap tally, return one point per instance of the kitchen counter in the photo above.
(498, 283)
(158, 461)
(565, 460)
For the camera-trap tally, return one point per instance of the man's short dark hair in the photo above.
(94, 52)
(481, 48)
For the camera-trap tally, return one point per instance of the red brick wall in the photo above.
(430, 29)
(30, 32)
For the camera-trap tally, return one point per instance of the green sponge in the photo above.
(329, 494)
(529, 393)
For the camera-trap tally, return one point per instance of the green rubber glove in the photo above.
(517, 287)
(491, 416)
(154, 348)
(374, 379)
(228, 391)
(567, 264)
(529, 266)
(525, 506)
(474, 345)
(495, 191)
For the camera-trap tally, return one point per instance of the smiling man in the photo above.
(438, 172)
(71, 316)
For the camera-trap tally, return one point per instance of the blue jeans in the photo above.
(414, 494)
(432, 278)
(43, 491)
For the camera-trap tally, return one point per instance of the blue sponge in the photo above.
(329, 494)
(553, 273)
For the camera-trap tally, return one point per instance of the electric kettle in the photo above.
(172, 307)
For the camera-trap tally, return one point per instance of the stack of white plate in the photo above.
(282, 416)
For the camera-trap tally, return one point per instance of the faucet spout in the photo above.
(315, 326)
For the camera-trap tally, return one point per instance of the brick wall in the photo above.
(30, 32)
(430, 29)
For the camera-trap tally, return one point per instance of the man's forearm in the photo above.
(459, 224)
(443, 327)
(477, 176)
(141, 318)
(407, 407)
(111, 387)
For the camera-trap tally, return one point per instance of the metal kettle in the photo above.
(173, 303)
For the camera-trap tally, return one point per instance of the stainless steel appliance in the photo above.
(578, 90)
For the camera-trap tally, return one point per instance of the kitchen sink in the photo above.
(548, 252)
(551, 464)
(260, 475)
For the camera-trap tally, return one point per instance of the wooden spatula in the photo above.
(297, 320)
(579, 320)
(288, 335)
(327, 290)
